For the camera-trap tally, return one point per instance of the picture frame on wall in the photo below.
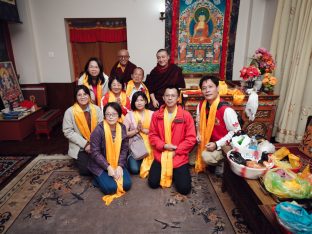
(10, 91)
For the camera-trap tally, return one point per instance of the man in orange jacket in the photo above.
(172, 136)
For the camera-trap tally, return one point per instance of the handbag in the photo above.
(137, 147)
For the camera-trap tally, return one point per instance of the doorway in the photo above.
(101, 38)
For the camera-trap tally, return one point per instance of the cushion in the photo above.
(306, 145)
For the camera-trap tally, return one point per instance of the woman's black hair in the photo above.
(113, 105)
(84, 88)
(135, 97)
(100, 77)
(214, 79)
(119, 80)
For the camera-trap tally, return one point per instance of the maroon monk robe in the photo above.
(126, 75)
(159, 79)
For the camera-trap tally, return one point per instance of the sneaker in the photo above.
(219, 169)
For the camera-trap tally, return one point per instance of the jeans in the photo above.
(108, 185)
(134, 165)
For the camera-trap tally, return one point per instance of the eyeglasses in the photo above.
(123, 56)
(111, 115)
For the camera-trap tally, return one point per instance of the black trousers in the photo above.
(181, 177)
(82, 163)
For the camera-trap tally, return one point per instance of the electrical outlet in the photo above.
(51, 54)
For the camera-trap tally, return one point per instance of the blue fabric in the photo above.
(108, 185)
(134, 165)
(294, 217)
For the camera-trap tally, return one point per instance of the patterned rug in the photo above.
(10, 166)
(49, 196)
(231, 210)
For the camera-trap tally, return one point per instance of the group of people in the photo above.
(108, 111)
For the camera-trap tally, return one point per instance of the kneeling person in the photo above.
(216, 123)
(109, 149)
(172, 136)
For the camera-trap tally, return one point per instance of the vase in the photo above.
(249, 84)
(258, 83)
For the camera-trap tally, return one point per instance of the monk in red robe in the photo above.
(123, 68)
(161, 77)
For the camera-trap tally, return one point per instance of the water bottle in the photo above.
(253, 145)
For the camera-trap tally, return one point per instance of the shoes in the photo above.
(219, 169)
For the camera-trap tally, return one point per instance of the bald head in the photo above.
(123, 56)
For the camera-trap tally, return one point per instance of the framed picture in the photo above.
(200, 35)
(10, 91)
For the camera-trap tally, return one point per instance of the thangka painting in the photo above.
(10, 91)
(202, 35)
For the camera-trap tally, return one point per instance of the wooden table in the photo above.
(18, 129)
(254, 203)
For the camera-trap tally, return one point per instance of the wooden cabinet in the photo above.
(263, 124)
(18, 129)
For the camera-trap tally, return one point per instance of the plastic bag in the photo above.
(294, 217)
(286, 184)
(266, 146)
(252, 104)
(293, 160)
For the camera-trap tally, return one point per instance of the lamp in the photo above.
(162, 15)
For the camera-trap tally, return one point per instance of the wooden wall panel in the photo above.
(60, 95)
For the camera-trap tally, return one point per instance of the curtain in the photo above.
(106, 52)
(101, 38)
(292, 46)
(98, 30)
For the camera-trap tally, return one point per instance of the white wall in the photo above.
(254, 30)
(43, 31)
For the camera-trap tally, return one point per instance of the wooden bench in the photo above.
(47, 121)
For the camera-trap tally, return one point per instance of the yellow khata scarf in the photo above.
(123, 98)
(81, 121)
(167, 156)
(147, 161)
(130, 87)
(112, 157)
(205, 131)
(98, 90)
(121, 67)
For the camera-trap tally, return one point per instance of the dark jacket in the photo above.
(98, 162)
(126, 75)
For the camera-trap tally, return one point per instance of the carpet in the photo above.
(10, 166)
(49, 196)
(231, 210)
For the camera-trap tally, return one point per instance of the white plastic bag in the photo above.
(252, 104)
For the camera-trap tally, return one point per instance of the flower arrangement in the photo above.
(263, 60)
(269, 82)
(249, 73)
